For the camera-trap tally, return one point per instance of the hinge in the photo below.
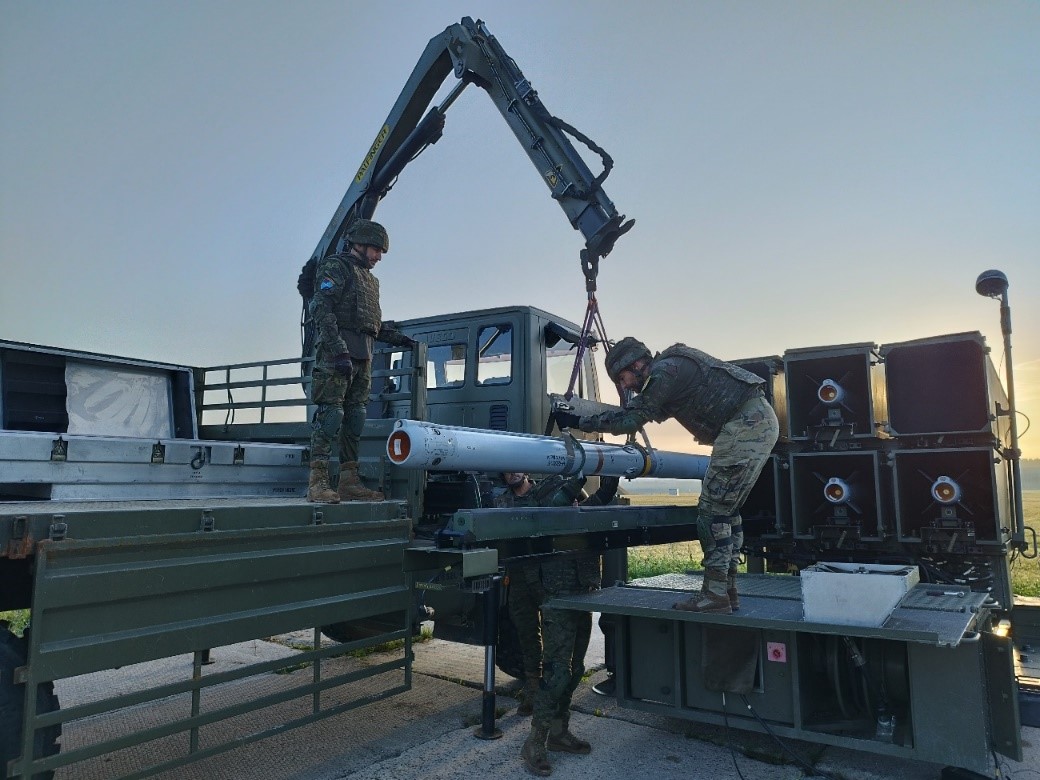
(207, 523)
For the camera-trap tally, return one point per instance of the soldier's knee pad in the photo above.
(715, 530)
(354, 421)
(327, 420)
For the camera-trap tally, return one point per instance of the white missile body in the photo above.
(422, 445)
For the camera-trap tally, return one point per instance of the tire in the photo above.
(508, 656)
(13, 652)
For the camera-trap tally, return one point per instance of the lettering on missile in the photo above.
(376, 146)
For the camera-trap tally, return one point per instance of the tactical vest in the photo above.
(718, 392)
(358, 307)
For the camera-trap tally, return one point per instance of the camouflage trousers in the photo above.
(740, 451)
(340, 416)
(565, 636)
(525, 599)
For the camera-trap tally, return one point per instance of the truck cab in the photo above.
(493, 369)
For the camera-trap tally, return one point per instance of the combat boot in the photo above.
(561, 740)
(527, 695)
(731, 590)
(319, 491)
(533, 754)
(350, 486)
(713, 598)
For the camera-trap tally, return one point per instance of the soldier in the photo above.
(720, 404)
(565, 633)
(345, 311)
(524, 597)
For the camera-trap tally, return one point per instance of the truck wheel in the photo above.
(508, 656)
(13, 653)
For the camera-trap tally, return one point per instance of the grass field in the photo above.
(678, 557)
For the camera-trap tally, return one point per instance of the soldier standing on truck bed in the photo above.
(720, 404)
(345, 311)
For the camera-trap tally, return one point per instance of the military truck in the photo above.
(154, 510)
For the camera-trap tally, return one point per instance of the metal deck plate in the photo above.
(928, 614)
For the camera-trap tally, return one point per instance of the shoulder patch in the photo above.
(326, 284)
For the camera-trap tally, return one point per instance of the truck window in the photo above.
(559, 362)
(445, 366)
(495, 356)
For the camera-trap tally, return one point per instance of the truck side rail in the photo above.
(267, 400)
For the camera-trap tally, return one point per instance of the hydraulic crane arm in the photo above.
(475, 56)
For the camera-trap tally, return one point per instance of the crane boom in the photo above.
(468, 50)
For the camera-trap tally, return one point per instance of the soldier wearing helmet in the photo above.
(720, 404)
(346, 314)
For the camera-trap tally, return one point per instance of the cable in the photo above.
(725, 738)
(805, 765)
(1029, 424)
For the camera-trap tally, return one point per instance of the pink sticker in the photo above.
(776, 651)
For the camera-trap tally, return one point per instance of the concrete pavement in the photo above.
(427, 732)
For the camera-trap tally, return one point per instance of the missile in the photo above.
(422, 445)
(946, 491)
(830, 392)
(837, 491)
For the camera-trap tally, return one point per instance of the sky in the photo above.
(803, 173)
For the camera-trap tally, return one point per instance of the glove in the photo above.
(342, 365)
(607, 490)
(566, 419)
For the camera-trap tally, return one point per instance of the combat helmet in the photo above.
(365, 231)
(623, 354)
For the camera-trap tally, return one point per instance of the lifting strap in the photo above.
(593, 322)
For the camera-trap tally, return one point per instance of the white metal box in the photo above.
(854, 594)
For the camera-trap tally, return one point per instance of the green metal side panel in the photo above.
(999, 657)
(154, 588)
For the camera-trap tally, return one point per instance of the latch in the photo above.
(317, 517)
(158, 452)
(239, 457)
(20, 543)
(58, 528)
(207, 523)
(59, 449)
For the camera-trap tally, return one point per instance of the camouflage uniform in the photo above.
(345, 310)
(722, 405)
(565, 635)
(525, 598)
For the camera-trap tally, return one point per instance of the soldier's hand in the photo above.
(343, 365)
(566, 419)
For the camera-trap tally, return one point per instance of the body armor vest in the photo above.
(717, 391)
(358, 308)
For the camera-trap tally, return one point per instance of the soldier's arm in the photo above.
(608, 488)
(646, 407)
(389, 333)
(330, 281)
